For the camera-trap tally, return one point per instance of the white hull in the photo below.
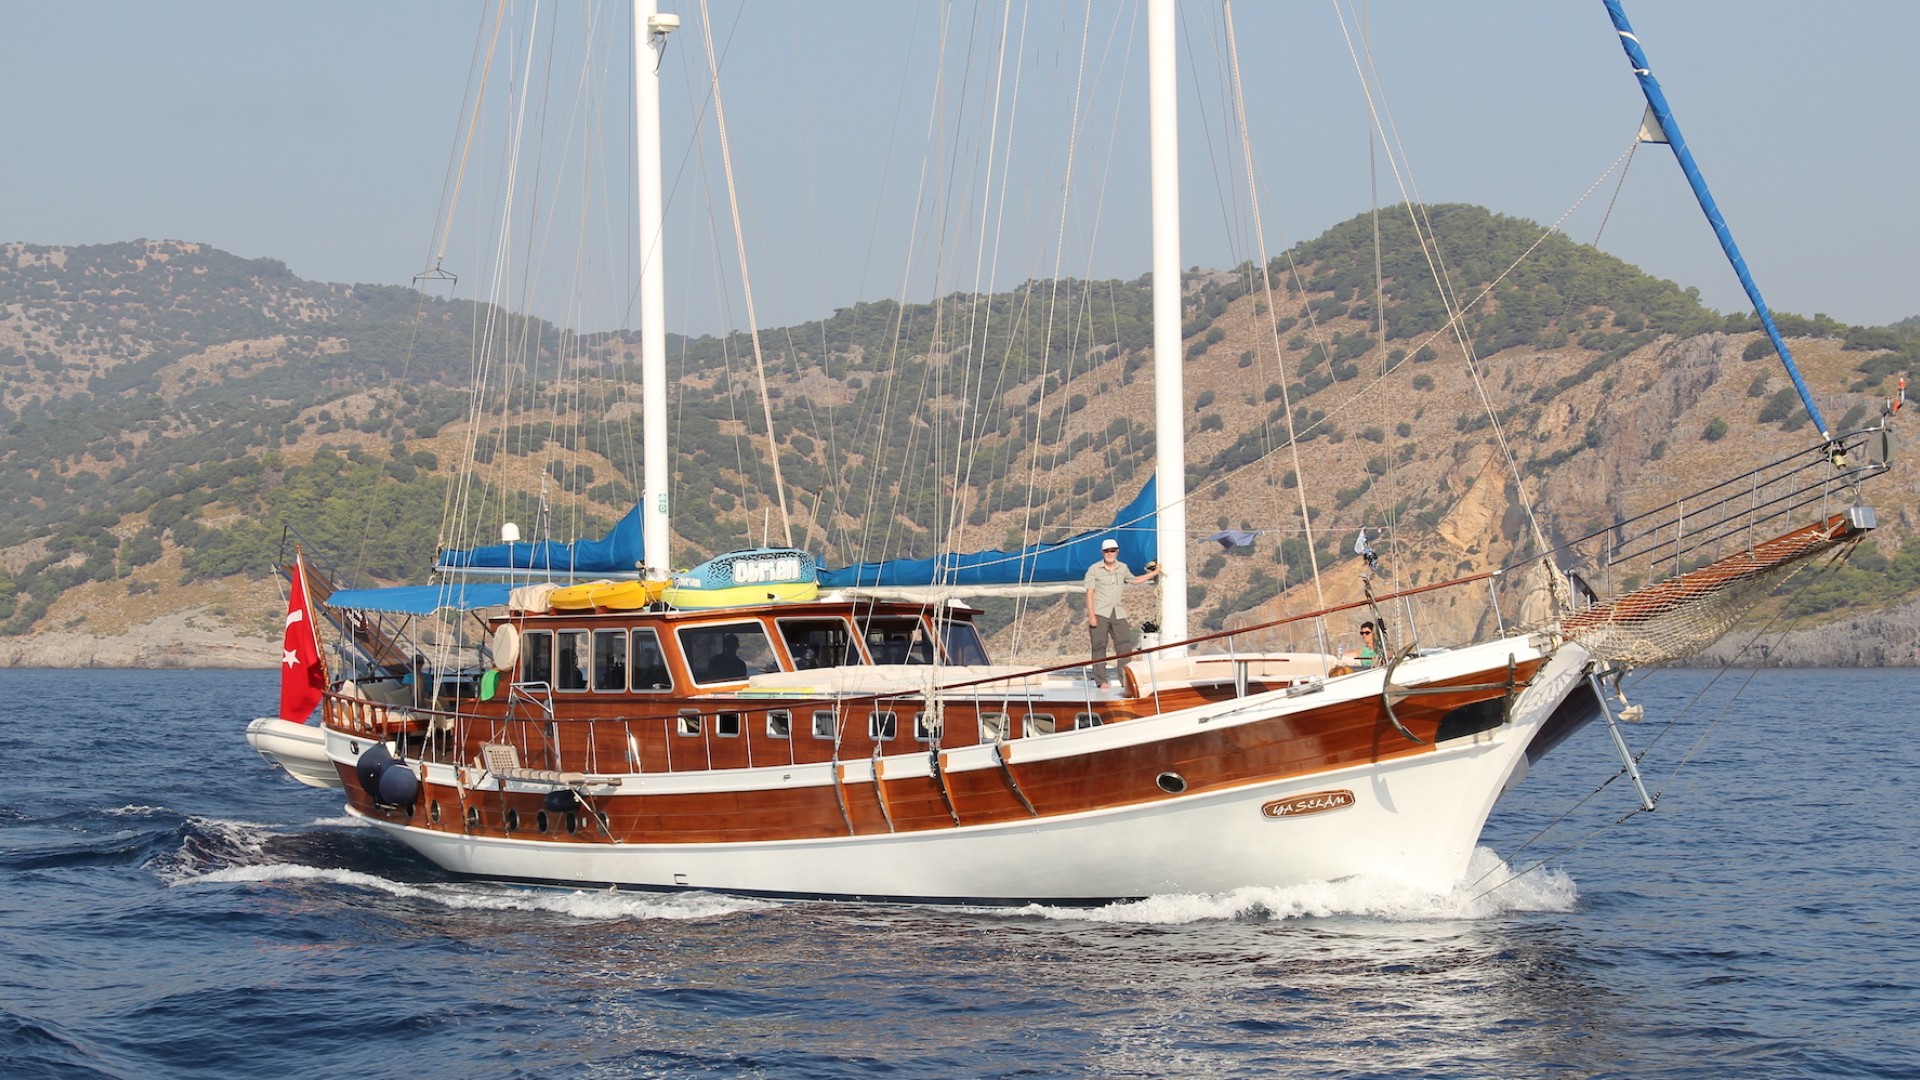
(301, 749)
(1414, 819)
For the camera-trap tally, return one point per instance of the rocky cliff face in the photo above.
(1883, 639)
(165, 410)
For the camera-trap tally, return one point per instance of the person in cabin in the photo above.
(727, 664)
(1108, 631)
(893, 650)
(1368, 655)
(417, 680)
(650, 669)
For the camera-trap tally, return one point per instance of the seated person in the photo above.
(727, 664)
(1368, 654)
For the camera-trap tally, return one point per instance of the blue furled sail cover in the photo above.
(618, 552)
(1039, 564)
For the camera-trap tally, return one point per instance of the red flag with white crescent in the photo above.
(303, 678)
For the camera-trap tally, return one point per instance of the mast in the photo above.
(1169, 398)
(1663, 116)
(650, 31)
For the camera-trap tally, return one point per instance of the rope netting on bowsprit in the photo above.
(1703, 557)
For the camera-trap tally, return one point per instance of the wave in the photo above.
(36, 1049)
(1489, 890)
(126, 836)
(590, 906)
(344, 852)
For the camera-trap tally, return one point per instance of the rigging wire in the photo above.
(1423, 227)
(1286, 399)
(477, 92)
(1669, 727)
(746, 285)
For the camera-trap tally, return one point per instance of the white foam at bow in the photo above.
(1482, 896)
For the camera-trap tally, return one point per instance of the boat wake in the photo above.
(1489, 890)
(341, 852)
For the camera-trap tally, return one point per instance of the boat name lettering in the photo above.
(1313, 803)
(755, 571)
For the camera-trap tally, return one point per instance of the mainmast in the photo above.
(650, 30)
(1169, 404)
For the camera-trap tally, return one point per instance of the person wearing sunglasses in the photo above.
(1369, 654)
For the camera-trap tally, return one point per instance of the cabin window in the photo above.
(688, 722)
(536, 657)
(1082, 721)
(780, 724)
(609, 660)
(993, 726)
(1039, 723)
(826, 723)
(924, 728)
(882, 726)
(649, 664)
(727, 652)
(818, 643)
(900, 640)
(727, 725)
(570, 666)
(963, 643)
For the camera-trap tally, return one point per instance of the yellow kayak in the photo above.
(614, 595)
(627, 595)
(576, 597)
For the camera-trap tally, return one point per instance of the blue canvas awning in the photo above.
(423, 599)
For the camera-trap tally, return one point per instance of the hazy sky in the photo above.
(321, 135)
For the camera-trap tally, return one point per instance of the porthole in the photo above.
(433, 811)
(540, 821)
(513, 820)
(1171, 782)
(473, 817)
(573, 822)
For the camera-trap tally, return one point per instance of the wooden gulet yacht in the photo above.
(744, 731)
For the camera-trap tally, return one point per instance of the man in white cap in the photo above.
(1107, 626)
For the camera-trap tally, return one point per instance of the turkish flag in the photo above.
(303, 678)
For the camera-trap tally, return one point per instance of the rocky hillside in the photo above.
(167, 410)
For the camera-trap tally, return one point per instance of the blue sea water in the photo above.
(170, 907)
